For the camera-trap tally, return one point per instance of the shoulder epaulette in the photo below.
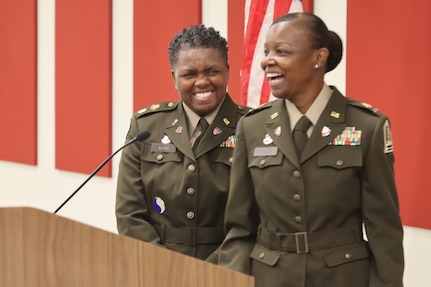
(364, 106)
(259, 108)
(154, 108)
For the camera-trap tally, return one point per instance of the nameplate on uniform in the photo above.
(161, 147)
(265, 151)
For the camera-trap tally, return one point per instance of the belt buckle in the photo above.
(301, 236)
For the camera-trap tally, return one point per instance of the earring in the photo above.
(316, 66)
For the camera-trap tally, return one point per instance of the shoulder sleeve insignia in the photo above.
(387, 137)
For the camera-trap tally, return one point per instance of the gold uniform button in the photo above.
(298, 219)
(231, 160)
(262, 162)
(190, 191)
(296, 174)
(171, 104)
(296, 197)
(261, 255)
(339, 162)
(348, 255)
(159, 157)
(190, 215)
(191, 168)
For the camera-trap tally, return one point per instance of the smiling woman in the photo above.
(311, 168)
(168, 193)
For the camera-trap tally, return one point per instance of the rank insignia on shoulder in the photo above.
(387, 136)
(229, 142)
(349, 136)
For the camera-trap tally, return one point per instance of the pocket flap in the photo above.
(346, 254)
(265, 255)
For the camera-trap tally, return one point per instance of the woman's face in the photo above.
(290, 60)
(201, 76)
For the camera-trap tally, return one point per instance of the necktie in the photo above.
(203, 124)
(300, 137)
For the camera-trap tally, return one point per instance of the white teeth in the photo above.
(203, 95)
(272, 75)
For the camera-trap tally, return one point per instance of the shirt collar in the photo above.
(315, 109)
(193, 118)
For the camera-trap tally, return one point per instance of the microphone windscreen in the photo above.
(142, 135)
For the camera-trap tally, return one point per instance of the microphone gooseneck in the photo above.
(142, 135)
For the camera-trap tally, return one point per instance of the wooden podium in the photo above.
(43, 249)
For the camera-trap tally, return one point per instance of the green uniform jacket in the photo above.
(298, 222)
(165, 194)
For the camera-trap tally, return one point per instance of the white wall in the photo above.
(44, 187)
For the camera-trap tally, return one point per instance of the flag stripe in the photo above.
(83, 85)
(18, 108)
(255, 19)
(155, 23)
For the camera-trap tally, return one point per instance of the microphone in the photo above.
(142, 135)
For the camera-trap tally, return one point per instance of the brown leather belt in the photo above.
(190, 236)
(303, 242)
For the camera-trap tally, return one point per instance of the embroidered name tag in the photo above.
(160, 147)
(265, 151)
(349, 136)
(229, 142)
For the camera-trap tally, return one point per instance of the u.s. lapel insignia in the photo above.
(277, 131)
(217, 131)
(387, 136)
(166, 140)
(335, 114)
(326, 131)
(226, 121)
(179, 129)
(267, 140)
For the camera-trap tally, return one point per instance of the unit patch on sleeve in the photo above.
(387, 137)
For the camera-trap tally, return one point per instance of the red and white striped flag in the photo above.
(259, 14)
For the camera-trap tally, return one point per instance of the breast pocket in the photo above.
(340, 157)
(223, 155)
(262, 162)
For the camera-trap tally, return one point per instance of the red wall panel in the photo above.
(83, 85)
(155, 24)
(235, 38)
(388, 66)
(18, 103)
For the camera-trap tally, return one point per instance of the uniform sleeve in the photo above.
(131, 204)
(380, 209)
(241, 217)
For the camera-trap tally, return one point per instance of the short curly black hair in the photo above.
(194, 37)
